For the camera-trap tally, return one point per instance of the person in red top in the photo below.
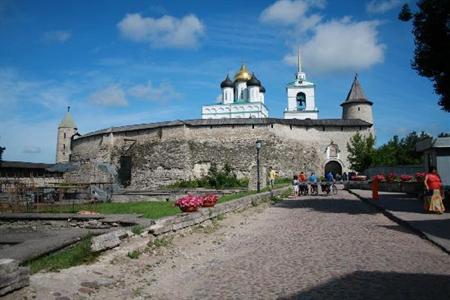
(303, 189)
(433, 185)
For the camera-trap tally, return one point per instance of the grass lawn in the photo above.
(151, 210)
(75, 255)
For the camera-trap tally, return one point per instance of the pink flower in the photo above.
(189, 201)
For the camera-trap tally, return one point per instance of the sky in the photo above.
(131, 62)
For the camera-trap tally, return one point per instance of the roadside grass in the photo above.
(77, 254)
(161, 242)
(80, 253)
(134, 254)
(137, 229)
(151, 210)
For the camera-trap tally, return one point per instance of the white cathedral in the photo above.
(244, 98)
(241, 98)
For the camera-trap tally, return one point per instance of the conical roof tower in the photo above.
(356, 105)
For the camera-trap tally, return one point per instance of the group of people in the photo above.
(303, 185)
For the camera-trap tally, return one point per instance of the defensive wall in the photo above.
(158, 154)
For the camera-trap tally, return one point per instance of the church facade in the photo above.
(241, 98)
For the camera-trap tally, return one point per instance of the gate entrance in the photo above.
(333, 166)
(125, 171)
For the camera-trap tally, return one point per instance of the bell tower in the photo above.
(301, 99)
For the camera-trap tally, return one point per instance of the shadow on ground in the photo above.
(330, 205)
(380, 285)
(439, 228)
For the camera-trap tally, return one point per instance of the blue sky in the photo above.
(129, 62)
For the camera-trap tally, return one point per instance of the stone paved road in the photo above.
(313, 248)
(322, 248)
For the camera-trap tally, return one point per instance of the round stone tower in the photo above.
(66, 130)
(356, 105)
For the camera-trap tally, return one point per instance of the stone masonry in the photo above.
(163, 153)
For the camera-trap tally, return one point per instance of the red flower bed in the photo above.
(209, 200)
(391, 177)
(189, 202)
(420, 176)
(405, 178)
(379, 177)
(359, 178)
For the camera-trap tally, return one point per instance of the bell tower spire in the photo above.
(300, 76)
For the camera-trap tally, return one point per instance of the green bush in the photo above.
(137, 229)
(134, 254)
(217, 179)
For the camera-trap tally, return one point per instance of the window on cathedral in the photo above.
(359, 109)
(301, 101)
(64, 135)
(64, 146)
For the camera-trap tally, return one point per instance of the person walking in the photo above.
(295, 186)
(272, 176)
(433, 185)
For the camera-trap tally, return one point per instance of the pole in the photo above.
(258, 183)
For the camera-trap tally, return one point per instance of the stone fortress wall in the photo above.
(162, 153)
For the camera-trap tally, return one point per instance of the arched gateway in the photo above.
(333, 166)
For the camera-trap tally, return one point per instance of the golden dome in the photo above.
(243, 74)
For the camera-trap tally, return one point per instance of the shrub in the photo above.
(137, 229)
(218, 179)
(134, 254)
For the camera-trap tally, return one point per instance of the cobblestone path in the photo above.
(317, 248)
(334, 247)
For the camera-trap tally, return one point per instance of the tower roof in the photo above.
(227, 83)
(253, 81)
(68, 121)
(243, 74)
(356, 93)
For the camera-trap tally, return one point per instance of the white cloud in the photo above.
(381, 6)
(164, 92)
(290, 12)
(57, 36)
(112, 95)
(166, 31)
(16, 90)
(341, 45)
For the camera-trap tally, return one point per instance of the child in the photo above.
(295, 185)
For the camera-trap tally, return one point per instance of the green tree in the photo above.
(397, 152)
(431, 31)
(360, 151)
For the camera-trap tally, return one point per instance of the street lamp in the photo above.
(258, 181)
